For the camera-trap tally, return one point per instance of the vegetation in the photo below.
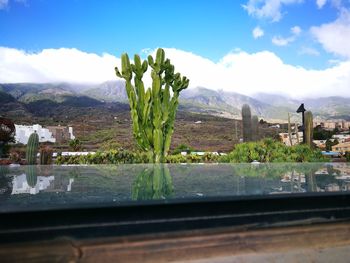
(153, 111)
(121, 156)
(269, 150)
(7, 135)
(75, 144)
(182, 148)
(32, 148)
(321, 134)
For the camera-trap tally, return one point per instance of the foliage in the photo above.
(182, 148)
(7, 134)
(32, 148)
(321, 134)
(121, 156)
(109, 145)
(118, 156)
(15, 157)
(75, 144)
(152, 111)
(269, 150)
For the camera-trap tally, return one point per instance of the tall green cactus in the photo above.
(153, 110)
(309, 130)
(247, 123)
(255, 128)
(32, 148)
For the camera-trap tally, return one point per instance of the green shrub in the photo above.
(268, 150)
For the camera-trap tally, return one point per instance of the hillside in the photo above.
(273, 107)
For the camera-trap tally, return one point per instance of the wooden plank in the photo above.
(312, 243)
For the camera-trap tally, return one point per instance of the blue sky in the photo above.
(207, 28)
(290, 29)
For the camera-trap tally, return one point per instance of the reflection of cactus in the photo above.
(290, 131)
(32, 148)
(153, 183)
(31, 175)
(308, 128)
(153, 111)
(255, 128)
(46, 155)
(247, 123)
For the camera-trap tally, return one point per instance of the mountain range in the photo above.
(45, 98)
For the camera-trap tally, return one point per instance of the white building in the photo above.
(285, 138)
(23, 132)
(341, 137)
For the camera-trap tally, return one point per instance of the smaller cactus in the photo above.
(247, 123)
(309, 128)
(290, 131)
(32, 148)
(255, 128)
(46, 155)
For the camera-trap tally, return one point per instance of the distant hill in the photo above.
(325, 107)
(45, 99)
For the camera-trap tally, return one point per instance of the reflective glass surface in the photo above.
(49, 187)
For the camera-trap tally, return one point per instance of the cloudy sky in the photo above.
(295, 47)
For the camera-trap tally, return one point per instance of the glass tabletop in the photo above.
(31, 188)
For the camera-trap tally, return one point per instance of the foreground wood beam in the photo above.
(312, 243)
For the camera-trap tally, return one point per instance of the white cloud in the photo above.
(295, 30)
(3, 4)
(335, 36)
(257, 32)
(270, 9)
(263, 71)
(309, 51)
(320, 3)
(281, 41)
(238, 71)
(51, 65)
